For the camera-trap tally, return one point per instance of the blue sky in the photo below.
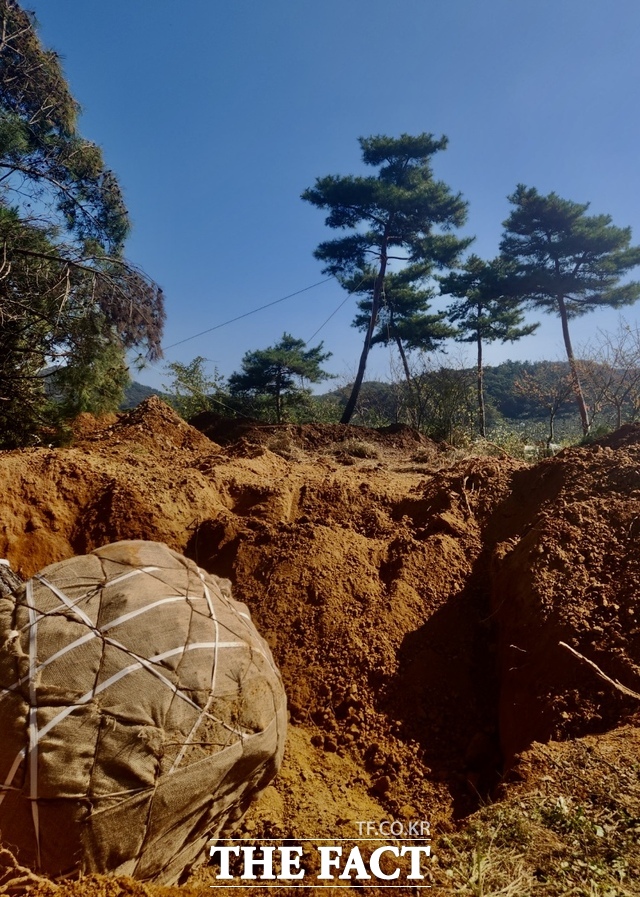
(216, 115)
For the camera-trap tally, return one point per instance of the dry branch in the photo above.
(614, 682)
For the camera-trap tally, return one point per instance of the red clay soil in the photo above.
(415, 606)
(567, 569)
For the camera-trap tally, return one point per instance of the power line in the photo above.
(246, 314)
(336, 310)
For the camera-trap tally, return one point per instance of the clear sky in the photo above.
(216, 115)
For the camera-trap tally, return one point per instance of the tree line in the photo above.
(524, 402)
(554, 257)
(399, 251)
(72, 305)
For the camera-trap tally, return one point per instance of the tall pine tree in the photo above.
(401, 214)
(567, 263)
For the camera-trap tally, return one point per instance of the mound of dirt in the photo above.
(566, 568)
(311, 437)
(414, 609)
(627, 435)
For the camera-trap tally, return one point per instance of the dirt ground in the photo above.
(416, 604)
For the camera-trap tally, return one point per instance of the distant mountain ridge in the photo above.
(138, 392)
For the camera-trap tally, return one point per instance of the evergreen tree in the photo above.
(96, 381)
(402, 315)
(66, 291)
(483, 313)
(41, 152)
(567, 263)
(392, 216)
(280, 372)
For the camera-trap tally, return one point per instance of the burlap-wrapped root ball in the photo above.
(140, 712)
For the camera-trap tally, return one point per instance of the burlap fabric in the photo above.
(140, 712)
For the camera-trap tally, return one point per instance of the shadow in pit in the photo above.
(445, 695)
(213, 545)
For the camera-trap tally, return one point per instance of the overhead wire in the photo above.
(336, 310)
(247, 314)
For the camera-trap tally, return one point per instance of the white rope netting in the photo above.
(140, 712)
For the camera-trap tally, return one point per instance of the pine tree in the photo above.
(400, 214)
(403, 318)
(280, 372)
(483, 313)
(567, 263)
(41, 152)
(66, 289)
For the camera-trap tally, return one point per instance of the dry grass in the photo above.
(282, 444)
(358, 448)
(576, 832)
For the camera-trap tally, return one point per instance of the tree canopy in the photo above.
(401, 214)
(40, 148)
(483, 313)
(67, 294)
(192, 390)
(568, 263)
(403, 317)
(280, 373)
